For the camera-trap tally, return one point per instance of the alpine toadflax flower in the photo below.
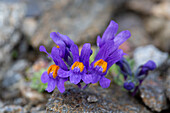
(132, 81)
(51, 76)
(77, 71)
(70, 66)
(106, 57)
(110, 34)
(109, 53)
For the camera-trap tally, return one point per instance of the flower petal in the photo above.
(95, 77)
(56, 38)
(66, 39)
(107, 49)
(122, 37)
(63, 74)
(129, 85)
(150, 65)
(75, 52)
(60, 84)
(75, 78)
(42, 49)
(110, 32)
(104, 82)
(98, 40)
(87, 78)
(57, 59)
(114, 57)
(124, 66)
(44, 77)
(51, 85)
(85, 54)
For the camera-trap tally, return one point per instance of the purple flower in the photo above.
(69, 65)
(129, 85)
(144, 69)
(80, 64)
(138, 77)
(110, 34)
(106, 57)
(51, 76)
(63, 43)
(52, 82)
(124, 68)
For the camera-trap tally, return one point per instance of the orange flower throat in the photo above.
(102, 64)
(58, 46)
(79, 65)
(53, 68)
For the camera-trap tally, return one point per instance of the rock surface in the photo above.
(167, 83)
(149, 52)
(12, 75)
(81, 20)
(167, 86)
(94, 99)
(11, 109)
(11, 16)
(140, 6)
(29, 26)
(152, 92)
(162, 38)
(133, 23)
(31, 94)
(162, 9)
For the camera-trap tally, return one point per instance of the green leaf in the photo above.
(36, 81)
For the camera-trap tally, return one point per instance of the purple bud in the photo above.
(150, 65)
(129, 85)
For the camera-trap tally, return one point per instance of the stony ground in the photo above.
(26, 24)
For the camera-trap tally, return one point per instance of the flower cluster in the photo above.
(74, 67)
(134, 80)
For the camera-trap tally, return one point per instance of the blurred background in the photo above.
(26, 24)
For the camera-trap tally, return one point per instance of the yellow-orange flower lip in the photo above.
(102, 64)
(58, 46)
(79, 65)
(53, 68)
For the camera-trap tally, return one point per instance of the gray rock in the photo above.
(81, 20)
(141, 6)
(29, 26)
(152, 93)
(19, 65)
(167, 82)
(11, 16)
(162, 9)
(162, 38)
(109, 100)
(38, 7)
(134, 24)
(92, 98)
(38, 109)
(31, 94)
(11, 80)
(33, 8)
(11, 109)
(154, 24)
(12, 75)
(149, 52)
(20, 101)
(11, 94)
(1, 104)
